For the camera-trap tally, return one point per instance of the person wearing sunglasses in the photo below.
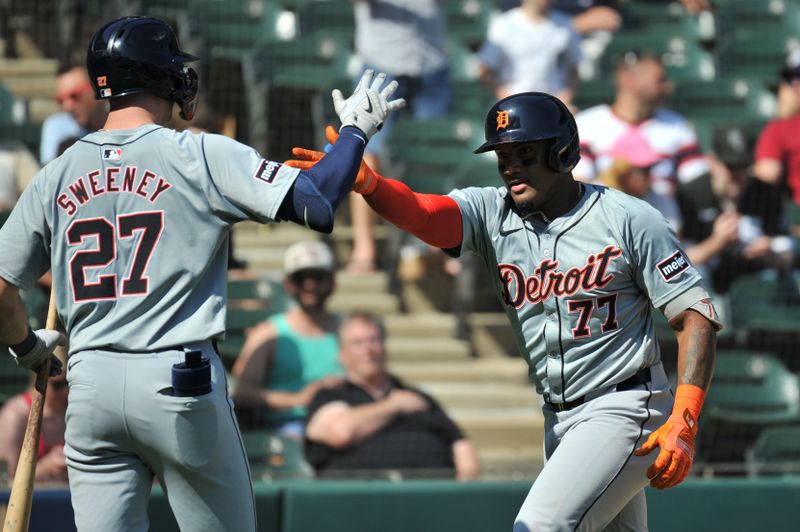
(79, 114)
(51, 465)
(291, 356)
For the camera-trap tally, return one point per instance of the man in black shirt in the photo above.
(374, 422)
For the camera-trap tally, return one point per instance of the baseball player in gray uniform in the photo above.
(134, 222)
(577, 268)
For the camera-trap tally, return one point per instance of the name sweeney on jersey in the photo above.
(547, 280)
(129, 180)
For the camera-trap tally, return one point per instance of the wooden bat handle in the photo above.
(18, 514)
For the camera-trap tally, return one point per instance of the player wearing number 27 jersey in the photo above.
(134, 222)
(578, 268)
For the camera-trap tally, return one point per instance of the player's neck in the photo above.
(136, 110)
(128, 118)
(565, 199)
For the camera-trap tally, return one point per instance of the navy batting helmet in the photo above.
(531, 116)
(141, 54)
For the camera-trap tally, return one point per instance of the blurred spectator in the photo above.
(80, 112)
(630, 171)
(682, 170)
(51, 465)
(778, 148)
(288, 358)
(763, 232)
(17, 168)
(374, 422)
(406, 40)
(594, 20)
(531, 48)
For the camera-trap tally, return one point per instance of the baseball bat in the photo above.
(18, 514)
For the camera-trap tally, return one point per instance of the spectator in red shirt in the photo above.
(778, 148)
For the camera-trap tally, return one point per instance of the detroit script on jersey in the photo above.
(547, 280)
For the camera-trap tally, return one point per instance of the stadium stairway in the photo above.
(32, 80)
(476, 380)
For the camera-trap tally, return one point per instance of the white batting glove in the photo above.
(367, 108)
(46, 342)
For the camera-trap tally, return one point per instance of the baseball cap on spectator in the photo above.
(791, 69)
(734, 145)
(308, 255)
(634, 148)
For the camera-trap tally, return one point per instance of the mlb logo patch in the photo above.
(267, 171)
(112, 154)
(673, 266)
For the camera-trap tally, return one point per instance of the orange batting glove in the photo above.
(366, 179)
(675, 438)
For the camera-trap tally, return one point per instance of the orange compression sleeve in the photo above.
(432, 218)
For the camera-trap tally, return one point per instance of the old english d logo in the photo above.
(101, 81)
(502, 119)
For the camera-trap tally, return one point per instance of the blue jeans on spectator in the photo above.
(426, 96)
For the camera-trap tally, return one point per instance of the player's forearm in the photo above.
(432, 218)
(283, 400)
(13, 318)
(697, 340)
(335, 173)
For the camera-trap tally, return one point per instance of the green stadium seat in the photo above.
(229, 29)
(328, 18)
(12, 111)
(682, 57)
(776, 451)
(169, 10)
(273, 456)
(767, 302)
(13, 379)
(756, 54)
(317, 62)
(668, 16)
(430, 152)
(752, 387)
(716, 101)
(758, 16)
(468, 20)
(594, 92)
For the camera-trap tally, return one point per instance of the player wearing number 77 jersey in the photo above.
(134, 222)
(577, 268)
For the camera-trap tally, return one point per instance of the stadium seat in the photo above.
(430, 152)
(229, 29)
(468, 20)
(776, 451)
(752, 387)
(760, 16)
(717, 100)
(470, 96)
(662, 17)
(328, 18)
(682, 57)
(13, 379)
(273, 456)
(756, 54)
(594, 92)
(766, 301)
(310, 62)
(12, 110)
(169, 10)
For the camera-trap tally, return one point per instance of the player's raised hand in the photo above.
(366, 180)
(46, 342)
(369, 105)
(675, 438)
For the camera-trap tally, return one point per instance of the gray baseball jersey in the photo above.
(578, 292)
(579, 289)
(137, 223)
